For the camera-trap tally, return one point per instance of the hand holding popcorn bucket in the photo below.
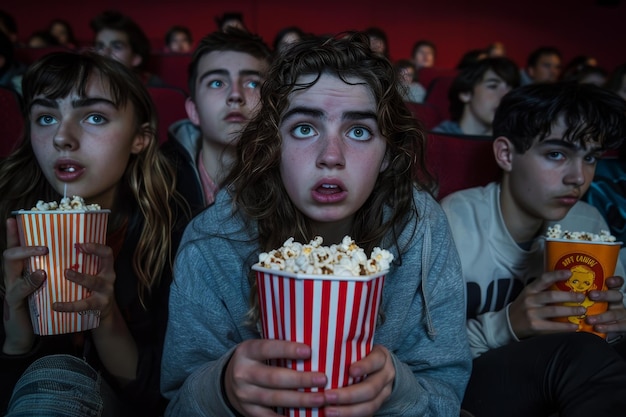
(60, 231)
(335, 315)
(590, 262)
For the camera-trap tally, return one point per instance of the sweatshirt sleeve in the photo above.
(201, 335)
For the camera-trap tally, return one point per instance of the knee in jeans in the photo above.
(57, 382)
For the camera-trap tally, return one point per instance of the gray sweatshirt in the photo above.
(423, 306)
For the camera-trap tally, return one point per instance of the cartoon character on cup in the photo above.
(582, 281)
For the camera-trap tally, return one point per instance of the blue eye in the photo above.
(359, 133)
(556, 156)
(591, 159)
(253, 84)
(46, 120)
(303, 131)
(216, 84)
(96, 119)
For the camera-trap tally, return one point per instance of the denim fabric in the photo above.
(62, 386)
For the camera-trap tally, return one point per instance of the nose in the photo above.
(576, 174)
(236, 95)
(65, 138)
(331, 154)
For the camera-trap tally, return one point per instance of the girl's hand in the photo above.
(366, 397)
(534, 308)
(614, 319)
(102, 295)
(253, 387)
(18, 286)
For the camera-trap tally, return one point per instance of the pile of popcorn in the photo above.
(555, 232)
(66, 204)
(344, 259)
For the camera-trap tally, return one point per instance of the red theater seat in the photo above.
(460, 161)
(426, 75)
(171, 68)
(437, 95)
(11, 121)
(426, 113)
(28, 55)
(170, 104)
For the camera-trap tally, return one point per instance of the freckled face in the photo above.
(332, 150)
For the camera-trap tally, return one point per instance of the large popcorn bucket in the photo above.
(335, 316)
(60, 231)
(590, 263)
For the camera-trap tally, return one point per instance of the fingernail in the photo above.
(319, 380)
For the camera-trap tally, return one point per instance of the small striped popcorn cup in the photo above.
(336, 316)
(60, 231)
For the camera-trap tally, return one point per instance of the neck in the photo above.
(521, 226)
(334, 232)
(470, 125)
(217, 160)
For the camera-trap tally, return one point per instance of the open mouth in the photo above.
(329, 189)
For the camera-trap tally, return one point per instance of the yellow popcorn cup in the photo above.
(336, 316)
(590, 263)
(60, 231)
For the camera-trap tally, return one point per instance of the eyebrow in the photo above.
(244, 72)
(319, 114)
(570, 145)
(82, 102)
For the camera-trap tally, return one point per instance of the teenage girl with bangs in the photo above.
(90, 131)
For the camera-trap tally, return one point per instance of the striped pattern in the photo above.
(60, 231)
(335, 316)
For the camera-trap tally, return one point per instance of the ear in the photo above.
(136, 61)
(192, 111)
(142, 139)
(503, 152)
(465, 97)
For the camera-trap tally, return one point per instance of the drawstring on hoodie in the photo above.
(425, 270)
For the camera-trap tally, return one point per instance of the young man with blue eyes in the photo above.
(225, 77)
(547, 138)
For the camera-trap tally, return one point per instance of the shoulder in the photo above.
(448, 126)
(583, 217)
(470, 199)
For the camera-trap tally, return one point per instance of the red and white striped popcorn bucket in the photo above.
(336, 316)
(60, 231)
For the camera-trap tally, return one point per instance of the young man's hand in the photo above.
(533, 310)
(614, 319)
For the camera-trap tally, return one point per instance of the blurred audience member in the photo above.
(8, 25)
(178, 39)
(411, 90)
(588, 74)
(42, 39)
(423, 54)
(11, 71)
(543, 66)
(118, 36)
(617, 81)
(287, 36)
(496, 49)
(230, 19)
(378, 41)
(475, 95)
(470, 57)
(62, 31)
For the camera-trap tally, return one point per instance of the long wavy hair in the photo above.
(148, 179)
(255, 180)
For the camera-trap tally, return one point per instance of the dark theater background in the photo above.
(576, 27)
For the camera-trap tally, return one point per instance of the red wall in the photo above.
(574, 26)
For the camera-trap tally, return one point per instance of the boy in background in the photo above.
(475, 95)
(121, 38)
(547, 140)
(225, 77)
